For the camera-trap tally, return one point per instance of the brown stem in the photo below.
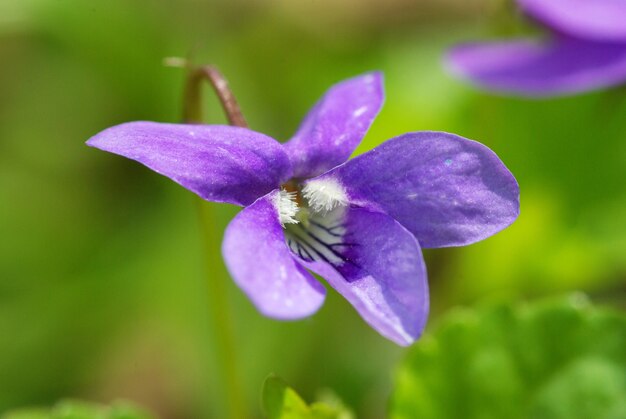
(193, 96)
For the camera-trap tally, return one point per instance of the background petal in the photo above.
(524, 67)
(259, 261)
(219, 163)
(590, 19)
(445, 189)
(381, 272)
(335, 126)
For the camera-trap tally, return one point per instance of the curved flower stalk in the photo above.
(586, 51)
(358, 223)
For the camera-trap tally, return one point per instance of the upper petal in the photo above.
(445, 189)
(524, 67)
(591, 19)
(374, 262)
(259, 261)
(335, 126)
(219, 163)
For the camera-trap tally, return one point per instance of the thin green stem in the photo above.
(228, 371)
(219, 305)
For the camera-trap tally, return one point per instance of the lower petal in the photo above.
(374, 262)
(562, 66)
(259, 261)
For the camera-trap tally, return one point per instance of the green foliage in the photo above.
(558, 359)
(282, 402)
(71, 409)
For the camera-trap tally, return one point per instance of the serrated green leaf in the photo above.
(73, 409)
(557, 359)
(282, 402)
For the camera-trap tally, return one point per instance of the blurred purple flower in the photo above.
(586, 51)
(359, 224)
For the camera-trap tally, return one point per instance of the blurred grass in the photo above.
(102, 292)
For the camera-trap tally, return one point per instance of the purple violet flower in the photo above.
(586, 51)
(360, 224)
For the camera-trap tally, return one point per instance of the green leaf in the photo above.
(556, 359)
(282, 402)
(72, 409)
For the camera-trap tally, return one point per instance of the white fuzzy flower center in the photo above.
(287, 207)
(324, 195)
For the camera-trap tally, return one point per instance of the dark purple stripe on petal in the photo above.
(219, 163)
(375, 263)
(261, 264)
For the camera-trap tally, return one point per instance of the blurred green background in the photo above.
(103, 290)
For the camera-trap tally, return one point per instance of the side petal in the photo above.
(261, 264)
(445, 189)
(219, 163)
(528, 68)
(335, 126)
(374, 262)
(595, 19)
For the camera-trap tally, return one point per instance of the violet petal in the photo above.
(445, 189)
(219, 163)
(372, 261)
(589, 19)
(529, 68)
(335, 126)
(259, 261)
